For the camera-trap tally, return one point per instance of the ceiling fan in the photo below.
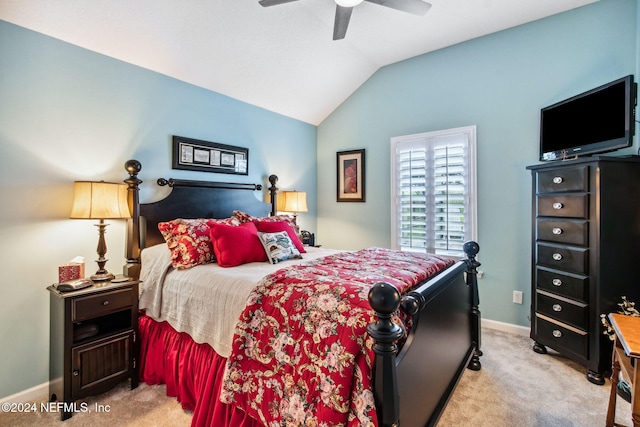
(345, 7)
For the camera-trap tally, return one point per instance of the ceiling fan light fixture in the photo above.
(345, 7)
(348, 3)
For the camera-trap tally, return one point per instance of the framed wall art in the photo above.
(351, 177)
(204, 156)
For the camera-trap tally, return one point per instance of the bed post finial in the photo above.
(273, 194)
(384, 298)
(132, 268)
(471, 248)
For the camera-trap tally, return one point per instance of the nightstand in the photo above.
(93, 344)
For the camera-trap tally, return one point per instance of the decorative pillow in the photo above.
(278, 247)
(236, 245)
(275, 226)
(189, 240)
(245, 217)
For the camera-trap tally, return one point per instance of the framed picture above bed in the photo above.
(205, 156)
(351, 177)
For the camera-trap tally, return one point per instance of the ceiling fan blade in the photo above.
(415, 7)
(343, 16)
(267, 3)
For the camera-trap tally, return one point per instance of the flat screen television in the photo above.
(596, 121)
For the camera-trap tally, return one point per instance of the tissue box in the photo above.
(71, 271)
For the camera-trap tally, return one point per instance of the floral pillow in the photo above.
(278, 247)
(189, 240)
(245, 217)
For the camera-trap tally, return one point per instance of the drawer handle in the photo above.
(105, 303)
(557, 256)
(557, 307)
(557, 230)
(76, 372)
(557, 333)
(557, 180)
(558, 206)
(557, 282)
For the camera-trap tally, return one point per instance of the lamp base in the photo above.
(101, 277)
(102, 274)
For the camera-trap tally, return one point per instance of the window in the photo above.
(433, 191)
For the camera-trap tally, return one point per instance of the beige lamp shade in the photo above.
(100, 200)
(292, 201)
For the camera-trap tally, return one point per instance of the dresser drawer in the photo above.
(561, 337)
(572, 259)
(99, 304)
(566, 179)
(571, 312)
(571, 286)
(572, 232)
(566, 206)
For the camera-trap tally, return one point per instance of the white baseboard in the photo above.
(29, 395)
(505, 327)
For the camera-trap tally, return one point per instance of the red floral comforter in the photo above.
(301, 355)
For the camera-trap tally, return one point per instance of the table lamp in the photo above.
(100, 200)
(292, 201)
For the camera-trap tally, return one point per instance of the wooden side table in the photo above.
(93, 343)
(625, 360)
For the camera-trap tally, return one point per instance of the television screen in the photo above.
(596, 121)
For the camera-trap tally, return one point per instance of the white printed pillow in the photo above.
(278, 246)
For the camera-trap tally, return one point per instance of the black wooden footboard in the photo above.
(412, 386)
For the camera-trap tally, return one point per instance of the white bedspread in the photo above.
(203, 301)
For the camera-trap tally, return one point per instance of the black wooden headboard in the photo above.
(188, 199)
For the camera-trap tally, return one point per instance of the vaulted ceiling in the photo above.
(281, 58)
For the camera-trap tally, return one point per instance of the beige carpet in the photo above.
(515, 388)
(518, 387)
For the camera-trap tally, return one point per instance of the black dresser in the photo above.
(586, 254)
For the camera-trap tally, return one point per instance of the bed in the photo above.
(405, 371)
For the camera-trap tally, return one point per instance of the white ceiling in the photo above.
(281, 58)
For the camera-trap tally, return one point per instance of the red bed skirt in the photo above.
(192, 372)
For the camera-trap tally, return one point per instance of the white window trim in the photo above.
(473, 193)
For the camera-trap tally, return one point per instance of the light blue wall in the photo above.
(499, 83)
(637, 49)
(70, 114)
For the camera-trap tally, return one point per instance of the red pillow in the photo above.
(189, 240)
(236, 245)
(277, 226)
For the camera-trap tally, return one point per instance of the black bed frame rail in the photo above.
(171, 182)
(385, 299)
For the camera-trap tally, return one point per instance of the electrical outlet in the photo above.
(517, 297)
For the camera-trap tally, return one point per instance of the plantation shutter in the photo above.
(432, 186)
